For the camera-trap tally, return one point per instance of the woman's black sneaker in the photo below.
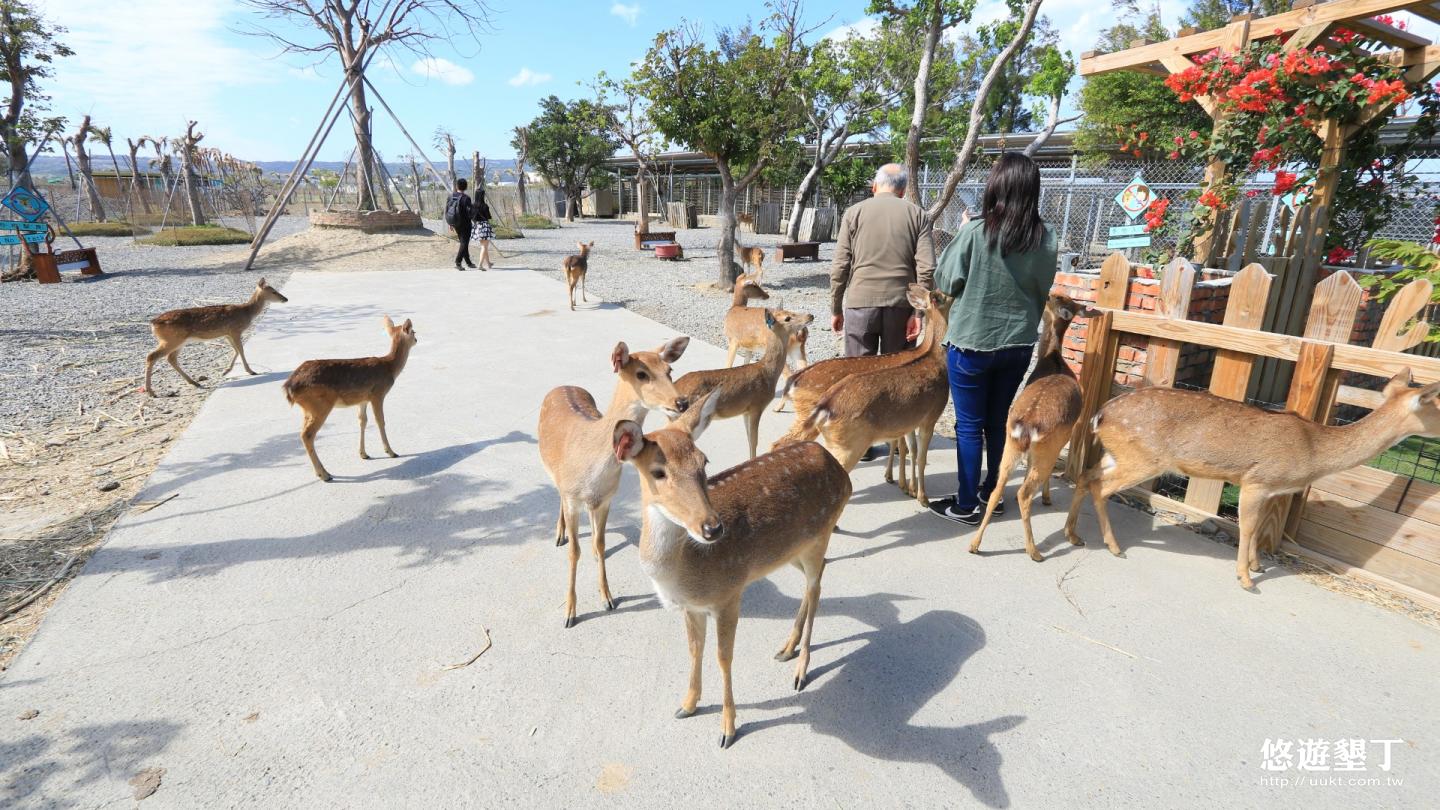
(945, 508)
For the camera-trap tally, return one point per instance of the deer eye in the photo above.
(641, 376)
(658, 475)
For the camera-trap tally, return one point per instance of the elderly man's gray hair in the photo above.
(892, 176)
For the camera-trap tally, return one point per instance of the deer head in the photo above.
(672, 469)
(648, 374)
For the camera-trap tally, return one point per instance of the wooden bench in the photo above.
(797, 250)
(644, 239)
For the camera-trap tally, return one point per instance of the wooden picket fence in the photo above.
(1367, 522)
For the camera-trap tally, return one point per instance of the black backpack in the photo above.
(452, 208)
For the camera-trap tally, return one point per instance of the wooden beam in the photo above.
(1340, 11)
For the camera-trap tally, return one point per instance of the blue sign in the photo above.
(12, 225)
(26, 203)
(17, 238)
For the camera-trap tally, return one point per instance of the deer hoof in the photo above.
(1118, 553)
(392, 454)
(569, 622)
(365, 456)
(1037, 556)
(975, 549)
(786, 655)
(799, 683)
(683, 713)
(726, 740)
(327, 477)
(560, 541)
(609, 604)
(1249, 586)
(1076, 540)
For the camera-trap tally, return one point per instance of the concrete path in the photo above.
(272, 641)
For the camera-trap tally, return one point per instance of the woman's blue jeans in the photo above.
(982, 384)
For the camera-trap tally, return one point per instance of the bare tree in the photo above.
(82, 165)
(106, 136)
(626, 110)
(444, 140)
(144, 194)
(477, 173)
(355, 30)
(521, 142)
(188, 158)
(162, 162)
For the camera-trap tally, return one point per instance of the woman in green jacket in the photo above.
(1000, 268)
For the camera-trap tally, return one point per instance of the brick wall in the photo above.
(367, 221)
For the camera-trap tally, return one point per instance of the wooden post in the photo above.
(1237, 33)
(1249, 291)
(1162, 356)
(1097, 374)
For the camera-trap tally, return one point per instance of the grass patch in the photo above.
(503, 231)
(1416, 457)
(537, 222)
(197, 235)
(106, 229)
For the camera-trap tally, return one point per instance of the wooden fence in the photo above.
(1371, 523)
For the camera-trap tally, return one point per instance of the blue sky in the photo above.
(145, 66)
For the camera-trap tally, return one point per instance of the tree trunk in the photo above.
(729, 271)
(922, 103)
(520, 189)
(20, 164)
(135, 176)
(189, 174)
(415, 173)
(450, 163)
(116, 164)
(642, 204)
(87, 177)
(364, 148)
(572, 201)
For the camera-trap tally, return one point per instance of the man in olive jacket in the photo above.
(884, 247)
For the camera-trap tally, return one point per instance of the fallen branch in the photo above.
(148, 505)
(1093, 641)
(474, 658)
(35, 594)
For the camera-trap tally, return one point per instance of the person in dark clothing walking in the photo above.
(459, 213)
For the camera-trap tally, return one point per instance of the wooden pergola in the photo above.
(1306, 24)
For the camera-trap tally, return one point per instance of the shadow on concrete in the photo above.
(88, 755)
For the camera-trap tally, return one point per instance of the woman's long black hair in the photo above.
(1011, 205)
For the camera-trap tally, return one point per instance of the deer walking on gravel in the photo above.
(576, 446)
(177, 327)
(747, 390)
(1153, 431)
(575, 269)
(703, 541)
(317, 386)
(753, 258)
(1040, 421)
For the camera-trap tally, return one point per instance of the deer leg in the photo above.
(560, 525)
(572, 525)
(922, 458)
(1252, 507)
(1111, 481)
(752, 428)
(787, 650)
(695, 636)
(311, 427)
(362, 432)
(730, 360)
(1008, 460)
(814, 569)
(583, 297)
(598, 516)
(160, 351)
(571, 283)
(1025, 497)
(890, 454)
(240, 353)
(726, 618)
(378, 405)
(174, 359)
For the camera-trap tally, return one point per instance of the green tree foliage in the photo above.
(1207, 15)
(1115, 106)
(733, 100)
(568, 142)
(1008, 107)
(29, 47)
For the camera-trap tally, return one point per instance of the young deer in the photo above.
(1157, 430)
(703, 542)
(1040, 421)
(753, 258)
(889, 403)
(175, 328)
(575, 269)
(317, 386)
(745, 325)
(575, 446)
(748, 389)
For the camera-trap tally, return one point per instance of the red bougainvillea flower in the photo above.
(1251, 193)
(1339, 254)
(1155, 214)
(1343, 35)
(1194, 134)
(1211, 200)
(1284, 181)
(1173, 156)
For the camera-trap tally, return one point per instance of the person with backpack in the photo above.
(458, 215)
(483, 230)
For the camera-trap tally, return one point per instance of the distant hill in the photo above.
(54, 165)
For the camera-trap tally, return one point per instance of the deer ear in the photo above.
(673, 348)
(918, 296)
(628, 440)
(260, 283)
(1428, 393)
(389, 324)
(696, 418)
(407, 326)
(1398, 383)
(620, 356)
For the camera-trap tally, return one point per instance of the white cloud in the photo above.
(433, 67)
(627, 13)
(864, 29)
(529, 78)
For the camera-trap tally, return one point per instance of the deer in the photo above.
(575, 269)
(745, 329)
(752, 257)
(1040, 421)
(747, 390)
(575, 446)
(703, 541)
(317, 386)
(888, 404)
(1152, 431)
(177, 327)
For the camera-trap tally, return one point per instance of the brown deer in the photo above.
(575, 269)
(745, 325)
(889, 403)
(317, 386)
(576, 446)
(753, 258)
(703, 542)
(1040, 421)
(1153, 431)
(747, 390)
(175, 328)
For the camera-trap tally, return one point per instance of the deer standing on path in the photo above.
(747, 390)
(175, 328)
(1153, 431)
(1040, 421)
(576, 446)
(575, 269)
(744, 324)
(703, 542)
(317, 386)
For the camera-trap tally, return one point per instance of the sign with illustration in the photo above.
(1135, 197)
(26, 203)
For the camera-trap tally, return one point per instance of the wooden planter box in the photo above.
(797, 250)
(652, 236)
(47, 270)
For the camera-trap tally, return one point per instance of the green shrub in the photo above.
(503, 231)
(106, 229)
(197, 235)
(537, 222)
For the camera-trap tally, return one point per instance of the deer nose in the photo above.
(712, 529)
(681, 403)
